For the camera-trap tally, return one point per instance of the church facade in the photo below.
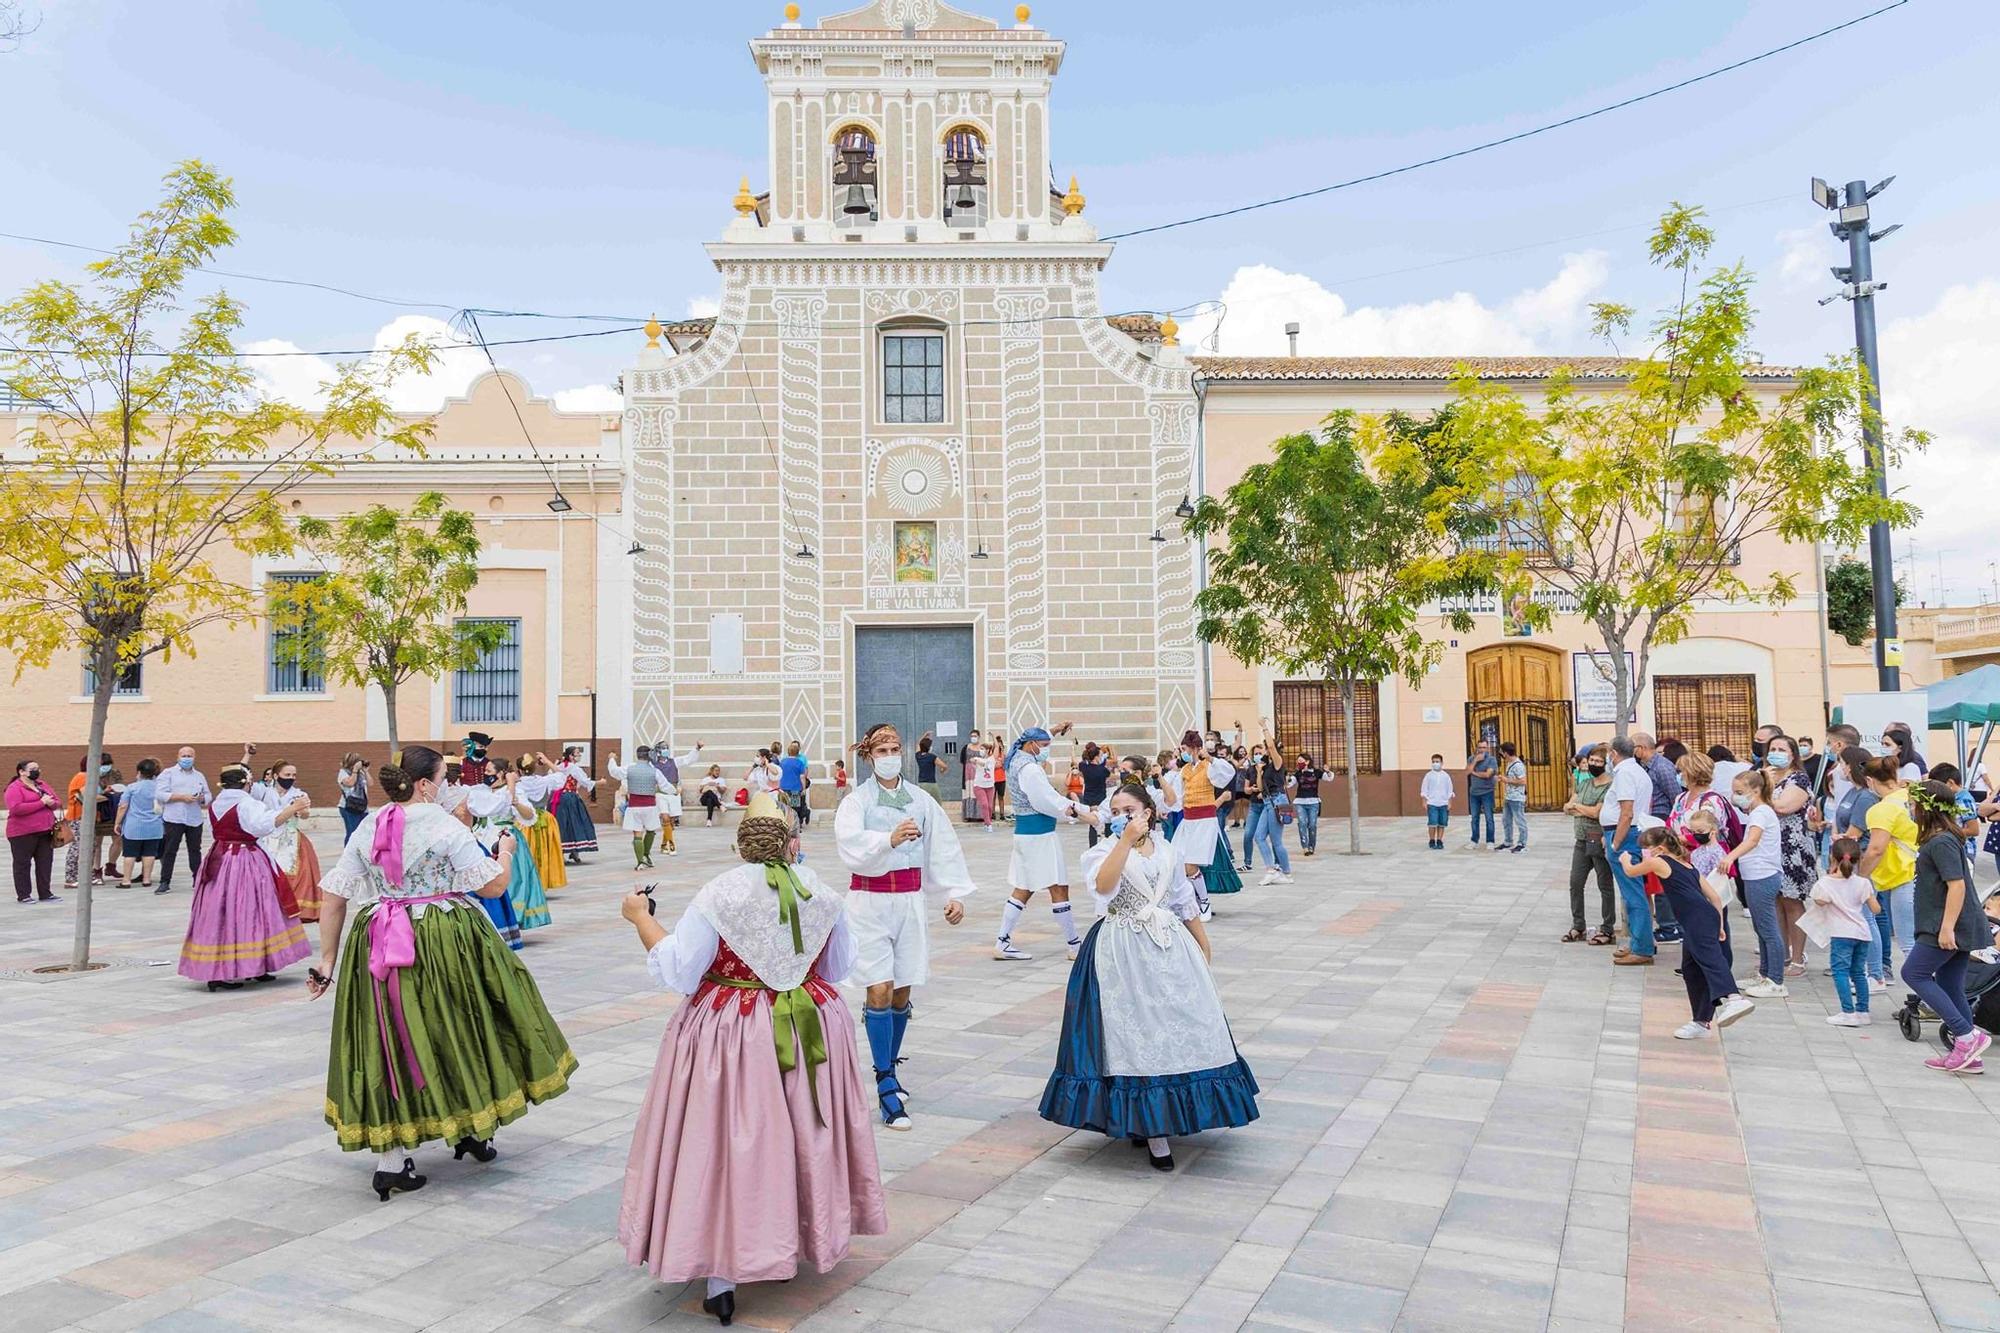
(910, 471)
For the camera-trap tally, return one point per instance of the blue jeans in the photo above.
(1478, 803)
(350, 820)
(1899, 915)
(1771, 951)
(1308, 825)
(1850, 973)
(1270, 834)
(1632, 893)
(1938, 978)
(1250, 832)
(1514, 823)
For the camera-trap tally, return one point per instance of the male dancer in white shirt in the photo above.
(897, 842)
(1038, 857)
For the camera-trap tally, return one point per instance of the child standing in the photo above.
(1436, 789)
(1847, 901)
(1714, 1001)
(1761, 862)
(1513, 800)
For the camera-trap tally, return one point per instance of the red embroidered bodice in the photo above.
(730, 968)
(227, 828)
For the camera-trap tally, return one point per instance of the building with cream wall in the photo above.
(829, 542)
(564, 577)
(1742, 664)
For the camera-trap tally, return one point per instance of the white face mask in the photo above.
(1437, 765)
(888, 767)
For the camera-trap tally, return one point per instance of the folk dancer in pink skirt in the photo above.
(240, 927)
(755, 1150)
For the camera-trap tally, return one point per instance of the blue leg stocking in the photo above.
(881, 1026)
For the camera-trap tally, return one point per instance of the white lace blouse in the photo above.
(678, 962)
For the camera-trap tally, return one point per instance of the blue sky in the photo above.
(522, 156)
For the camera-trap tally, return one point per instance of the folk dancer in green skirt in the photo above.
(438, 1029)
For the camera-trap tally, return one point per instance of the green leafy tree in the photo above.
(1636, 503)
(153, 457)
(385, 612)
(1325, 558)
(1850, 599)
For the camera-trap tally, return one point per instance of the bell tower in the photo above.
(910, 471)
(910, 121)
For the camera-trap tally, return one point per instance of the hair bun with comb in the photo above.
(397, 785)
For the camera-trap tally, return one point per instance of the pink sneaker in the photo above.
(1980, 1040)
(1973, 1066)
(1963, 1052)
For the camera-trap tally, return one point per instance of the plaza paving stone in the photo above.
(1466, 1125)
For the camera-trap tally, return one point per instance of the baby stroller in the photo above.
(1982, 993)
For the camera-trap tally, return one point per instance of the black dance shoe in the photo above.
(225, 985)
(482, 1150)
(1164, 1162)
(402, 1182)
(723, 1307)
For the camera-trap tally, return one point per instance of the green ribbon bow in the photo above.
(790, 894)
(794, 1015)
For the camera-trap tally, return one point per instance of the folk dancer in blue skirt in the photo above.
(1145, 1051)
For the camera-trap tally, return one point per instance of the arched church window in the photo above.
(965, 177)
(854, 176)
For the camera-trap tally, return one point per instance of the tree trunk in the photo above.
(1621, 682)
(86, 833)
(388, 688)
(1353, 776)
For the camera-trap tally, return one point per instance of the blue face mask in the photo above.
(1778, 759)
(184, 764)
(1117, 824)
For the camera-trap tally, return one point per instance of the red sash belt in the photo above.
(640, 802)
(896, 881)
(1198, 812)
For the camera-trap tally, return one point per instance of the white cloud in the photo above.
(588, 398)
(1804, 255)
(1937, 375)
(1261, 300)
(703, 307)
(300, 379)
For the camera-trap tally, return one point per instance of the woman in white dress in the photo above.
(1145, 1051)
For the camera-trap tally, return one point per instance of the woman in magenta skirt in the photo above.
(243, 924)
(755, 1150)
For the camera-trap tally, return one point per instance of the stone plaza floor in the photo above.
(1466, 1125)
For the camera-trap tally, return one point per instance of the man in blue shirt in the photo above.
(792, 782)
(184, 798)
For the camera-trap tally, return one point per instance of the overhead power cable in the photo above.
(1504, 140)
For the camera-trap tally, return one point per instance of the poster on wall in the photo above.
(1594, 686)
(1869, 712)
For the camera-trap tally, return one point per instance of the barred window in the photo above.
(295, 665)
(1307, 716)
(1701, 711)
(913, 377)
(131, 679)
(490, 689)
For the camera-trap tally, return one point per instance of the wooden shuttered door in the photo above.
(1702, 711)
(1308, 718)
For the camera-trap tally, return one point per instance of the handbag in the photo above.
(65, 832)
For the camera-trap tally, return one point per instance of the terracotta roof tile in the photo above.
(1426, 367)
